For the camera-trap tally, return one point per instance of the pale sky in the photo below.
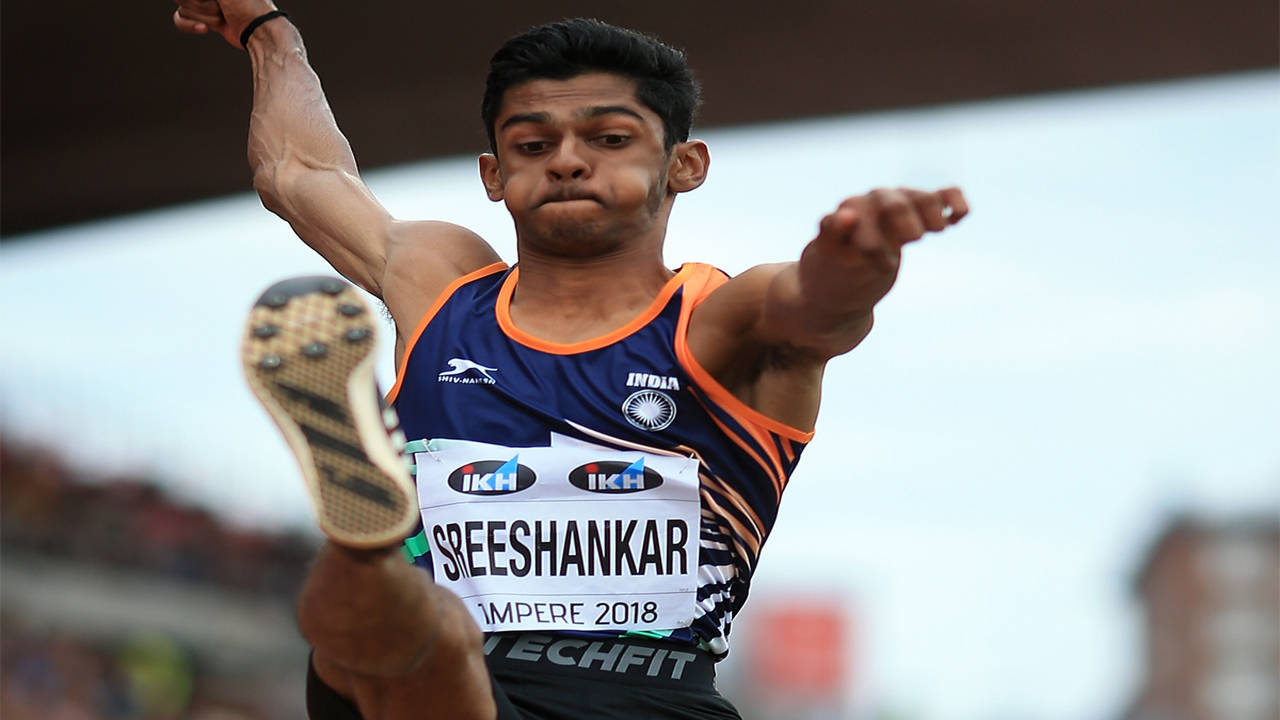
(1094, 348)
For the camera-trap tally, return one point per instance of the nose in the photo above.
(567, 162)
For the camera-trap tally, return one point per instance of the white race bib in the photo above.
(572, 537)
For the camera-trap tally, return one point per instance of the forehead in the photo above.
(570, 96)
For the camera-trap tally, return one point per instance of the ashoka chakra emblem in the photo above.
(649, 410)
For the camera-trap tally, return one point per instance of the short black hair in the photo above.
(560, 50)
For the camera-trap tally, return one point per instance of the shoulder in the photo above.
(728, 339)
(446, 245)
(423, 259)
(722, 330)
(730, 304)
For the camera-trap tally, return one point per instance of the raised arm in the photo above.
(767, 334)
(305, 172)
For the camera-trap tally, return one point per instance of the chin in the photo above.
(572, 237)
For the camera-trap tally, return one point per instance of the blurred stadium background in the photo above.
(1010, 512)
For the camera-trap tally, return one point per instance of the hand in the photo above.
(227, 18)
(875, 226)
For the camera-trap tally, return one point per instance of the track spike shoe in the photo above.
(308, 353)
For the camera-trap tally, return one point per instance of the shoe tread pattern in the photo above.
(310, 360)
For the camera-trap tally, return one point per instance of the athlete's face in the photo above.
(581, 165)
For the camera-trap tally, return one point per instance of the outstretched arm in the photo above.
(767, 334)
(303, 167)
(823, 303)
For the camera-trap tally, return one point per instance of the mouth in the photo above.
(569, 197)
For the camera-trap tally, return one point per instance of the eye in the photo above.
(612, 140)
(533, 147)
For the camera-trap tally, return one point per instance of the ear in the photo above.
(491, 176)
(690, 161)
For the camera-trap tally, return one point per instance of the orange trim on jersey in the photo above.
(503, 310)
(748, 539)
(778, 477)
(766, 443)
(755, 529)
(696, 290)
(714, 514)
(440, 300)
(788, 451)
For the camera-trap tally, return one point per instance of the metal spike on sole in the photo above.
(317, 385)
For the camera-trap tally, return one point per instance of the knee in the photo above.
(418, 623)
(456, 634)
(442, 635)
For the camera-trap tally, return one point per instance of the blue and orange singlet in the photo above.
(470, 374)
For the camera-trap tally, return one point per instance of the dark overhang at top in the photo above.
(109, 110)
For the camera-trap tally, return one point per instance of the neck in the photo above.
(568, 300)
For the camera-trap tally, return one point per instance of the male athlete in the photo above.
(600, 442)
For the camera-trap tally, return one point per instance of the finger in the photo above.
(187, 25)
(200, 16)
(201, 11)
(870, 242)
(929, 208)
(954, 204)
(837, 226)
(202, 6)
(899, 219)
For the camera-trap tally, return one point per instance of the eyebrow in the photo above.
(542, 118)
(600, 110)
(538, 118)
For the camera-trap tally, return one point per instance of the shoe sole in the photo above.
(308, 353)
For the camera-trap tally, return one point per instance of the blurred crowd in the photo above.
(54, 675)
(55, 514)
(127, 522)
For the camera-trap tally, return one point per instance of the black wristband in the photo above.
(254, 23)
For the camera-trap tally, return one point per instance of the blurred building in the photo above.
(795, 658)
(1210, 590)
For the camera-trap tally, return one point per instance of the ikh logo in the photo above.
(615, 477)
(491, 477)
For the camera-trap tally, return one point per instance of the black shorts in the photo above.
(546, 677)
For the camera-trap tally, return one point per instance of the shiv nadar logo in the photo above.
(492, 477)
(467, 372)
(607, 476)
